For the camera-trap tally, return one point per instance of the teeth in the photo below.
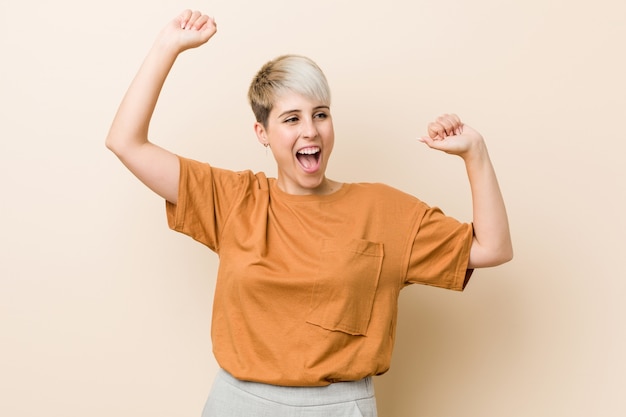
(308, 151)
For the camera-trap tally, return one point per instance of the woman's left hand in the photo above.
(448, 134)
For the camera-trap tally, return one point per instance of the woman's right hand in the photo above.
(156, 167)
(188, 30)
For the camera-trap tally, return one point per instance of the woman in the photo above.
(310, 268)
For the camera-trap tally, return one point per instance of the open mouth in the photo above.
(309, 158)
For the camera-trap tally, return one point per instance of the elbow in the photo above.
(122, 143)
(115, 139)
(115, 145)
(507, 250)
(506, 255)
(109, 143)
(503, 255)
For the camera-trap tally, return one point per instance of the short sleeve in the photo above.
(205, 197)
(440, 252)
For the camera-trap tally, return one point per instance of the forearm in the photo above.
(131, 123)
(492, 240)
(491, 245)
(156, 167)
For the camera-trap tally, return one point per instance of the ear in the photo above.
(261, 134)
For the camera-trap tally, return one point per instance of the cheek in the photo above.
(278, 139)
(329, 129)
(282, 146)
(329, 135)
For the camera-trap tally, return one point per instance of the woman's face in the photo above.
(301, 136)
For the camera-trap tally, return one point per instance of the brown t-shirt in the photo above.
(307, 286)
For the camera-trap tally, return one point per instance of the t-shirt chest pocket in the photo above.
(343, 294)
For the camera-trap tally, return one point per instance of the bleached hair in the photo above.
(287, 73)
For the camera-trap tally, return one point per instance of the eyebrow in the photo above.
(300, 111)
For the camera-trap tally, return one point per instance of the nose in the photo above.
(309, 130)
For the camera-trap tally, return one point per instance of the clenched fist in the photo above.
(448, 134)
(188, 30)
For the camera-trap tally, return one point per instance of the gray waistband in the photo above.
(304, 396)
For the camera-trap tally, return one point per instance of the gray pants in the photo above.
(231, 397)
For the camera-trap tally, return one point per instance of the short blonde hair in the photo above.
(293, 73)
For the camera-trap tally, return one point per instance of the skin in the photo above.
(295, 123)
(492, 244)
(128, 136)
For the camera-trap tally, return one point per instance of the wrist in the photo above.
(476, 153)
(166, 47)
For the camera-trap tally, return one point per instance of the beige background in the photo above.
(105, 312)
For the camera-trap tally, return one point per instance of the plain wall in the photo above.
(105, 311)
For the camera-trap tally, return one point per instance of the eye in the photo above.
(292, 119)
(320, 115)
